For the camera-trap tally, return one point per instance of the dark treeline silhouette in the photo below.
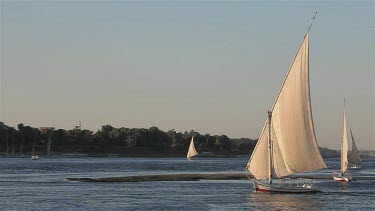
(124, 141)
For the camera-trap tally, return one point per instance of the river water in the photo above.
(41, 185)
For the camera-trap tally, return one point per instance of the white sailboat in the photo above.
(354, 157)
(192, 151)
(343, 176)
(287, 144)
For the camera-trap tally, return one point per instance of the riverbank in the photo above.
(131, 155)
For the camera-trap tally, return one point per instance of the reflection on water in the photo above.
(344, 186)
(283, 201)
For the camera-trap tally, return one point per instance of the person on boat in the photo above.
(282, 182)
(304, 185)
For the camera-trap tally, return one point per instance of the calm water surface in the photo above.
(41, 185)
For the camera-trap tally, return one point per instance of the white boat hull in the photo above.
(342, 179)
(267, 188)
(338, 177)
(355, 168)
(35, 157)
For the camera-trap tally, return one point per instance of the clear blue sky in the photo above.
(215, 67)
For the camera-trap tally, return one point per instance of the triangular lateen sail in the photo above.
(344, 146)
(294, 145)
(353, 157)
(191, 152)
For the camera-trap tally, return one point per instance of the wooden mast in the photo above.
(342, 142)
(269, 147)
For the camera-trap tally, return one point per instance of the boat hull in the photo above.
(355, 168)
(339, 177)
(342, 179)
(267, 188)
(34, 157)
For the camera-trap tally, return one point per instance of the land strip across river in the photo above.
(196, 177)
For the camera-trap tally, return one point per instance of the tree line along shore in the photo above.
(122, 141)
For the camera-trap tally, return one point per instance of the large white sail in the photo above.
(344, 147)
(191, 152)
(294, 146)
(354, 155)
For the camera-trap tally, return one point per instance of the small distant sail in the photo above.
(354, 155)
(344, 147)
(192, 152)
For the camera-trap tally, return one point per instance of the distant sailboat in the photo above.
(13, 144)
(354, 157)
(33, 156)
(287, 144)
(192, 151)
(49, 143)
(343, 176)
